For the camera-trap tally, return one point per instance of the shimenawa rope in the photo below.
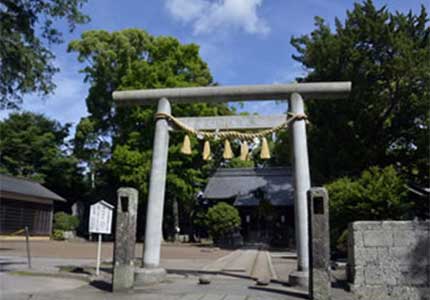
(244, 137)
(230, 133)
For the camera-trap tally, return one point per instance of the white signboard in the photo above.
(101, 218)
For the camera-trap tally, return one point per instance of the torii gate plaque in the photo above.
(295, 92)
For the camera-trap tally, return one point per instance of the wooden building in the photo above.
(24, 202)
(264, 198)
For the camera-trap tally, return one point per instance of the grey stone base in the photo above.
(145, 276)
(123, 278)
(299, 278)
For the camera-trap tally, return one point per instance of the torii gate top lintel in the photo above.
(314, 90)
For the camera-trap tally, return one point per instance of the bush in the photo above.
(65, 222)
(379, 194)
(221, 220)
(58, 235)
(342, 244)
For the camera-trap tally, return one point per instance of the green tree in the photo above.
(33, 146)
(26, 62)
(378, 194)
(133, 59)
(221, 220)
(385, 120)
(91, 147)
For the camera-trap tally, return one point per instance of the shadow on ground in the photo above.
(84, 270)
(8, 265)
(102, 285)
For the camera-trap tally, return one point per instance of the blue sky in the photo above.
(243, 41)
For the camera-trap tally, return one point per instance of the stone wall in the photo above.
(389, 259)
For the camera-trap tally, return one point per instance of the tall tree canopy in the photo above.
(26, 31)
(133, 59)
(33, 146)
(385, 120)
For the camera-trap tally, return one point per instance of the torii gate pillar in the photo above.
(302, 183)
(157, 187)
(151, 273)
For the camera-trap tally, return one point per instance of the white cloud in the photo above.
(186, 10)
(208, 16)
(289, 73)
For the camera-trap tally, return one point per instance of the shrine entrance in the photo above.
(295, 93)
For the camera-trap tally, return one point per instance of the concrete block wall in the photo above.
(389, 259)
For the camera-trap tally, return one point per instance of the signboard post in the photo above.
(101, 223)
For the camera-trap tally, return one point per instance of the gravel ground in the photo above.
(61, 249)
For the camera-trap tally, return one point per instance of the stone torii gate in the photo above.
(296, 92)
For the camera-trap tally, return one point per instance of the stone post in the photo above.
(302, 184)
(154, 215)
(319, 244)
(125, 239)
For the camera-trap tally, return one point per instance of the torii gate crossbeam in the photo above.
(251, 122)
(295, 92)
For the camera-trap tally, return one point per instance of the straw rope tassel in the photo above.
(207, 151)
(244, 151)
(186, 146)
(228, 154)
(265, 152)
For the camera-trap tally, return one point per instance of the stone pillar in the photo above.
(319, 244)
(125, 239)
(302, 184)
(154, 214)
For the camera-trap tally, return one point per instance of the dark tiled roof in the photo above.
(240, 184)
(26, 187)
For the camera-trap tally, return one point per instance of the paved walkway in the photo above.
(182, 281)
(185, 288)
(176, 288)
(17, 286)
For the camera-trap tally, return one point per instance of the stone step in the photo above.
(243, 263)
(263, 270)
